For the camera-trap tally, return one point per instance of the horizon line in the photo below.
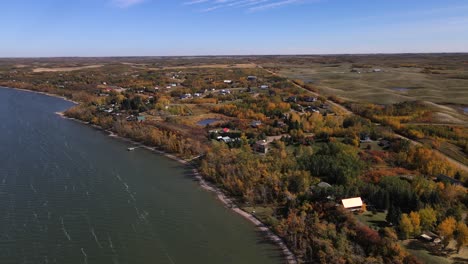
(238, 55)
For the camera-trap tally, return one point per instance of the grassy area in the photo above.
(418, 249)
(263, 213)
(375, 221)
(374, 145)
(444, 89)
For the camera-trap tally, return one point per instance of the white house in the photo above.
(352, 204)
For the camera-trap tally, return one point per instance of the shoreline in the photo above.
(43, 93)
(227, 201)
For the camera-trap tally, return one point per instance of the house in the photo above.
(264, 87)
(251, 78)
(226, 130)
(324, 185)
(256, 123)
(186, 96)
(377, 70)
(310, 99)
(261, 146)
(291, 99)
(228, 81)
(226, 139)
(312, 109)
(141, 119)
(365, 139)
(445, 178)
(352, 204)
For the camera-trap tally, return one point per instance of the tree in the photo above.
(405, 226)
(427, 217)
(393, 215)
(416, 222)
(461, 236)
(446, 229)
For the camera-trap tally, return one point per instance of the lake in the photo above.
(71, 194)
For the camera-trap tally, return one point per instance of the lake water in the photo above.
(71, 194)
(400, 89)
(208, 121)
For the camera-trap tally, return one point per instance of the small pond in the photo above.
(400, 89)
(207, 121)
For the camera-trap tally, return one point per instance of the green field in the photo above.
(442, 81)
(375, 221)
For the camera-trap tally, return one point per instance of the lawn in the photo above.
(418, 249)
(375, 221)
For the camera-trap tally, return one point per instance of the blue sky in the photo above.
(32, 28)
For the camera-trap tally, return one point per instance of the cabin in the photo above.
(226, 139)
(186, 96)
(324, 185)
(261, 146)
(256, 123)
(445, 178)
(352, 204)
(365, 139)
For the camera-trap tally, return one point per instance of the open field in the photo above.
(67, 69)
(217, 66)
(441, 81)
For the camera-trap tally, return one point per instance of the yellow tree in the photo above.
(446, 229)
(462, 236)
(416, 222)
(406, 227)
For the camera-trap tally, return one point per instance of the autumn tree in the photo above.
(416, 222)
(405, 226)
(446, 230)
(461, 236)
(428, 217)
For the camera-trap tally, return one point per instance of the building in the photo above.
(256, 123)
(141, 119)
(251, 78)
(261, 146)
(352, 204)
(324, 185)
(228, 81)
(445, 178)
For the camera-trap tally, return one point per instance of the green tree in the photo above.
(428, 218)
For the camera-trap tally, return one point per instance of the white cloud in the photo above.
(248, 5)
(272, 5)
(127, 3)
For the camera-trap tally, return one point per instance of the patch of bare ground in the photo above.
(66, 69)
(218, 66)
